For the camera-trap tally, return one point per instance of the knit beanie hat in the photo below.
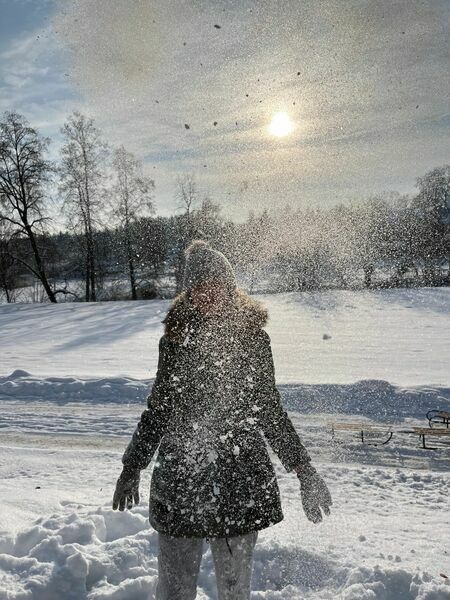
(203, 263)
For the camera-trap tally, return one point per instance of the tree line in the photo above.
(114, 246)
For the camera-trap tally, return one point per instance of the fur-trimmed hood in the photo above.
(244, 312)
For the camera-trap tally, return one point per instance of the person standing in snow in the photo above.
(213, 397)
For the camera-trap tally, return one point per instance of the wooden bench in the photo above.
(424, 431)
(438, 417)
(364, 428)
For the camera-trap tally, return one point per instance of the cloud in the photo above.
(33, 81)
(362, 81)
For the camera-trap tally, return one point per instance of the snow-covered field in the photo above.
(73, 381)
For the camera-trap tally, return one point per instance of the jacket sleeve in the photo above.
(273, 419)
(154, 419)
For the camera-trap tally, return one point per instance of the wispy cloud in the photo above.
(362, 81)
(33, 80)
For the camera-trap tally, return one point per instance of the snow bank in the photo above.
(24, 386)
(374, 399)
(105, 555)
(379, 400)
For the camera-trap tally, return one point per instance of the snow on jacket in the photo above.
(213, 400)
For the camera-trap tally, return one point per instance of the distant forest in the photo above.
(114, 246)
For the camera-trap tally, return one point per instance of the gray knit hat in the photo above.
(203, 262)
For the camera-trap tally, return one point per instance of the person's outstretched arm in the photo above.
(150, 429)
(273, 418)
(283, 438)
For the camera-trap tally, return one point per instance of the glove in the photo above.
(127, 489)
(314, 492)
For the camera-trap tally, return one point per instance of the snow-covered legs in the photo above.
(179, 565)
(234, 570)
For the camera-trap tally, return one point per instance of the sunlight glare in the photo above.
(281, 125)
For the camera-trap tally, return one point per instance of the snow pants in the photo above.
(179, 565)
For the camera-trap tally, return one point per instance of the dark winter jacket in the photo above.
(213, 397)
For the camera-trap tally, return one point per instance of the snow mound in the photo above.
(85, 554)
(18, 374)
(366, 583)
(97, 555)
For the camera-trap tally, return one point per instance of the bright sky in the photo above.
(358, 87)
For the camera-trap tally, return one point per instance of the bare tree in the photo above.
(187, 196)
(8, 274)
(187, 193)
(83, 155)
(23, 171)
(132, 197)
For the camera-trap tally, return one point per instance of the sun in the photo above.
(281, 125)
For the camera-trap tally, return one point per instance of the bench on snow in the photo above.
(438, 417)
(424, 431)
(387, 431)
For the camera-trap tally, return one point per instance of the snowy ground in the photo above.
(73, 379)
